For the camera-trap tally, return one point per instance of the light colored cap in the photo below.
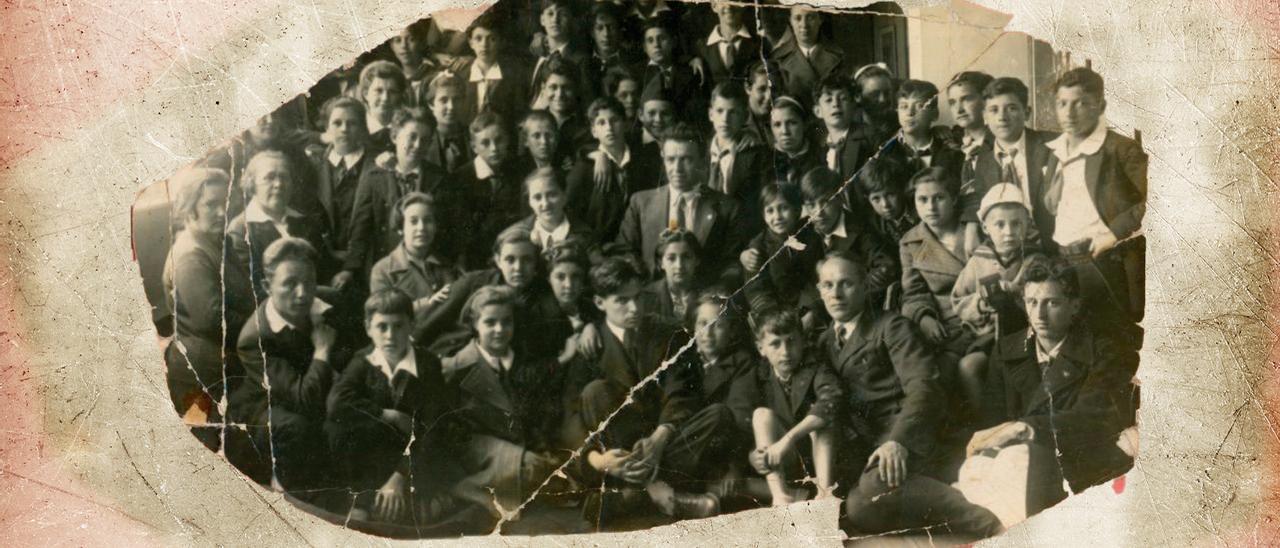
(1002, 193)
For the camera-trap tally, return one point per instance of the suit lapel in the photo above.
(706, 215)
(1064, 372)
(617, 359)
(324, 190)
(483, 383)
(799, 386)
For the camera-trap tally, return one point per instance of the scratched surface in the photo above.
(103, 98)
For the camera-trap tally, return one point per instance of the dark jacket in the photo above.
(524, 409)
(603, 206)
(373, 230)
(813, 390)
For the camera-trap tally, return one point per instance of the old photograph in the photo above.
(582, 266)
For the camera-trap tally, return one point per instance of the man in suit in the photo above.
(1015, 154)
(1063, 389)
(1094, 201)
(288, 351)
(894, 402)
(730, 49)
(684, 202)
(806, 60)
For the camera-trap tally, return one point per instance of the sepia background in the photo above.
(103, 98)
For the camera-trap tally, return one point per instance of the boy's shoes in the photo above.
(695, 506)
(612, 502)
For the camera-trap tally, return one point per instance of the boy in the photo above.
(882, 183)
(662, 68)
(603, 203)
(918, 143)
(559, 43)
(491, 192)
(876, 99)
(642, 441)
(833, 227)
(382, 88)
(288, 350)
(388, 421)
(760, 100)
(789, 272)
(847, 144)
(373, 235)
(1095, 199)
(559, 95)
(448, 145)
(508, 402)
(409, 49)
(988, 290)
(965, 99)
(540, 138)
(493, 83)
(657, 113)
(338, 172)
(739, 163)
(607, 49)
(806, 60)
(789, 404)
(730, 48)
(1014, 154)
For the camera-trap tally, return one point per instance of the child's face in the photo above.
(567, 282)
(292, 288)
(823, 214)
(409, 141)
(406, 48)
(888, 205)
(1049, 309)
(382, 97)
(622, 309)
(841, 288)
(835, 108)
(781, 216)
(1006, 116)
(877, 95)
(788, 129)
(556, 21)
(604, 32)
(517, 262)
(727, 117)
(608, 127)
(346, 129)
(547, 201)
(419, 229)
(728, 14)
(966, 105)
(784, 352)
(712, 336)
(679, 264)
(805, 24)
(935, 205)
(444, 106)
(558, 92)
(389, 333)
(658, 45)
(273, 185)
(210, 214)
(541, 138)
(495, 326)
(916, 114)
(657, 116)
(491, 144)
(759, 94)
(484, 43)
(629, 95)
(1078, 111)
(1006, 225)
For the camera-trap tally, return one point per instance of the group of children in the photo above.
(666, 282)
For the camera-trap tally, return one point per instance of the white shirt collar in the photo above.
(1088, 147)
(478, 75)
(502, 363)
(1020, 145)
(277, 323)
(848, 328)
(808, 52)
(253, 213)
(715, 38)
(352, 158)
(408, 363)
(626, 156)
(483, 169)
(558, 234)
(1042, 355)
(618, 332)
(836, 135)
(646, 137)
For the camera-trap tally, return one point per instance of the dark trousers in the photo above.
(872, 507)
(1113, 289)
(293, 448)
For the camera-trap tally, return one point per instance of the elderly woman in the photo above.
(209, 302)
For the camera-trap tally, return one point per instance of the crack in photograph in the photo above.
(575, 266)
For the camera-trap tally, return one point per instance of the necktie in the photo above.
(680, 213)
(730, 51)
(408, 182)
(833, 154)
(717, 174)
(1008, 170)
(452, 153)
(340, 172)
(842, 336)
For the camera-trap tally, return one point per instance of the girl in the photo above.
(794, 154)
(790, 268)
(550, 224)
(413, 267)
(678, 255)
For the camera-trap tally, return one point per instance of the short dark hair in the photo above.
(819, 183)
(397, 214)
(730, 91)
(974, 80)
(938, 175)
(730, 312)
(883, 174)
(287, 248)
(388, 302)
(778, 321)
(662, 21)
(571, 250)
(1054, 271)
(683, 133)
(613, 274)
(1083, 77)
(343, 102)
(1007, 86)
(604, 103)
(789, 193)
(404, 117)
(605, 9)
(616, 75)
(513, 235)
(563, 68)
(833, 83)
(676, 236)
(487, 119)
(919, 88)
(487, 21)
